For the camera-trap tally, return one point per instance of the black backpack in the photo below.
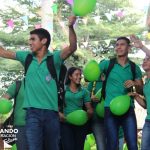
(52, 71)
(9, 123)
(110, 67)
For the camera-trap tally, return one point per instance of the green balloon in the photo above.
(5, 106)
(78, 117)
(100, 109)
(87, 145)
(91, 139)
(98, 94)
(14, 147)
(125, 147)
(83, 7)
(91, 71)
(120, 105)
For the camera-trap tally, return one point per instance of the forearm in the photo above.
(72, 39)
(139, 86)
(7, 53)
(67, 51)
(140, 101)
(145, 50)
(89, 109)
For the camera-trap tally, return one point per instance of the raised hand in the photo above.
(136, 42)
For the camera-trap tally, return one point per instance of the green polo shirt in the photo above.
(40, 87)
(146, 91)
(75, 100)
(117, 77)
(19, 112)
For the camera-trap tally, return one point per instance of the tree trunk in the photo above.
(47, 15)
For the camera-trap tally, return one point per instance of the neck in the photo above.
(122, 60)
(148, 74)
(73, 87)
(40, 54)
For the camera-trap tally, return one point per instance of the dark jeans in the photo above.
(112, 124)
(42, 129)
(98, 128)
(73, 137)
(21, 138)
(146, 136)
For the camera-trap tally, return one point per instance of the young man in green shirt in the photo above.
(119, 81)
(19, 114)
(41, 97)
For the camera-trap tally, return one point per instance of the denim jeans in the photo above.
(129, 125)
(146, 136)
(21, 142)
(72, 136)
(121, 142)
(98, 129)
(42, 129)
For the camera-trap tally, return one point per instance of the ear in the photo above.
(44, 41)
(70, 77)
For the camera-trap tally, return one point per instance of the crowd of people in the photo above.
(40, 121)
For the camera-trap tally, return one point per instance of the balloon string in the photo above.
(93, 88)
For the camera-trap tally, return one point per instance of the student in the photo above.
(41, 97)
(76, 97)
(19, 114)
(97, 123)
(145, 103)
(119, 82)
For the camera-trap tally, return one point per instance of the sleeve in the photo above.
(86, 96)
(11, 90)
(89, 87)
(138, 73)
(104, 65)
(21, 56)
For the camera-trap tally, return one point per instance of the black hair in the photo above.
(42, 33)
(70, 71)
(124, 38)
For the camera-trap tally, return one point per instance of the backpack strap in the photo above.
(18, 85)
(60, 82)
(111, 65)
(28, 61)
(133, 69)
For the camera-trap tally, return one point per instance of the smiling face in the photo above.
(76, 77)
(36, 43)
(146, 64)
(122, 48)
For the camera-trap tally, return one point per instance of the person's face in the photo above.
(35, 43)
(122, 48)
(146, 64)
(76, 77)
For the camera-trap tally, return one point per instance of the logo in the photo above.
(8, 135)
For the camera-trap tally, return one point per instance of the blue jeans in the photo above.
(21, 138)
(121, 143)
(98, 129)
(146, 136)
(42, 129)
(129, 125)
(72, 136)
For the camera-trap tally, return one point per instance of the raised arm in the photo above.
(67, 51)
(7, 53)
(138, 44)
